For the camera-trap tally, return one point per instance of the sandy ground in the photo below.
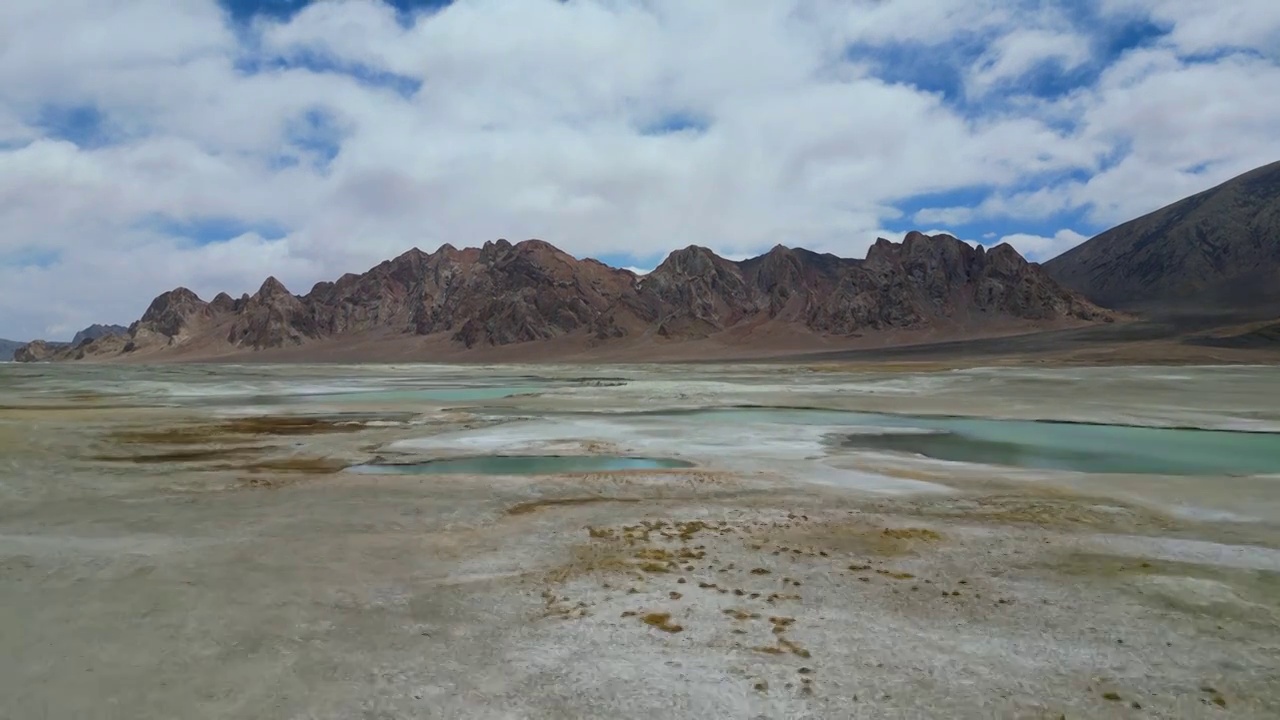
(261, 583)
(766, 340)
(1157, 337)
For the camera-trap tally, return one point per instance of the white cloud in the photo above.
(1199, 27)
(530, 122)
(1013, 55)
(944, 216)
(1038, 248)
(1174, 117)
(924, 21)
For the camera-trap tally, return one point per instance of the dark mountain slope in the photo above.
(1215, 251)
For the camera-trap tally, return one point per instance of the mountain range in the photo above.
(8, 348)
(500, 299)
(1216, 253)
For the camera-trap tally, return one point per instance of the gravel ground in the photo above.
(171, 561)
(627, 595)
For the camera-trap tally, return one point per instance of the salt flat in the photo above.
(186, 542)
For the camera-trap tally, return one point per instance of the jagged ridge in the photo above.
(504, 294)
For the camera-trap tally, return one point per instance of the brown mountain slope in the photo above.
(1214, 251)
(532, 294)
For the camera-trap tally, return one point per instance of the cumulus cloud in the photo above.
(1010, 57)
(1038, 248)
(1200, 27)
(157, 143)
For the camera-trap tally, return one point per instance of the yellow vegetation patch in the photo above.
(661, 621)
(654, 554)
(227, 440)
(298, 464)
(912, 533)
(844, 536)
(532, 506)
(195, 454)
(794, 648)
(1048, 506)
(587, 559)
(264, 425)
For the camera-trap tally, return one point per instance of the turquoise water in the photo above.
(439, 394)
(524, 465)
(1092, 448)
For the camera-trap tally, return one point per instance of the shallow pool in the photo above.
(1080, 447)
(524, 465)
(434, 394)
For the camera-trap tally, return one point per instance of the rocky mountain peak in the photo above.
(273, 317)
(412, 256)
(223, 303)
(533, 245)
(494, 249)
(271, 288)
(691, 261)
(915, 238)
(882, 252)
(171, 312)
(34, 351)
(177, 299)
(1006, 259)
(699, 291)
(95, 331)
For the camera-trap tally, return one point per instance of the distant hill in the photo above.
(93, 332)
(509, 300)
(7, 347)
(1215, 251)
(42, 350)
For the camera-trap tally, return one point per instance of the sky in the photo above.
(149, 144)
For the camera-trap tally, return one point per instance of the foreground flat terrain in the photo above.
(167, 555)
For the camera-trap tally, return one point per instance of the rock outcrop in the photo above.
(271, 318)
(171, 317)
(37, 351)
(1218, 250)
(45, 350)
(506, 294)
(93, 332)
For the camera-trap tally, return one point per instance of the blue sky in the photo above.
(215, 142)
(246, 10)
